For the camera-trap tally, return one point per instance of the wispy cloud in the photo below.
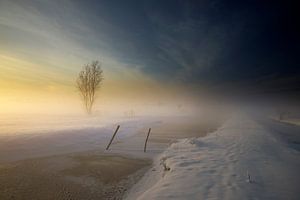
(183, 42)
(57, 36)
(192, 45)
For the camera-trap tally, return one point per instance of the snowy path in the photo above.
(217, 166)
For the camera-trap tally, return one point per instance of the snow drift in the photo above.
(241, 160)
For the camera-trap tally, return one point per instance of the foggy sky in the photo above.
(228, 47)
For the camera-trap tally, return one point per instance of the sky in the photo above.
(151, 51)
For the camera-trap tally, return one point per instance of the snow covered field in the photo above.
(244, 159)
(22, 138)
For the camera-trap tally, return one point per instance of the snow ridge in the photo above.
(241, 160)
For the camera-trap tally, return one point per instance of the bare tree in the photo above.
(88, 82)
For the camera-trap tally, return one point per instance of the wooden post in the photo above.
(249, 177)
(147, 140)
(113, 137)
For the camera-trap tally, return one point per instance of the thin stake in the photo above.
(113, 137)
(249, 177)
(147, 140)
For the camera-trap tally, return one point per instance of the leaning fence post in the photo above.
(113, 137)
(147, 140)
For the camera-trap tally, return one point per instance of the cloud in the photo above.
(182, 42)
(190, 45)
(58, 37)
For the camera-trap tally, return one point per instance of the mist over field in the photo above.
(151, 100)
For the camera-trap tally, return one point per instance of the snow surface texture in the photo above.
(89, 134)
(241, 160)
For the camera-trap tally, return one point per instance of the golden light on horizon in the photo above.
(29, 87)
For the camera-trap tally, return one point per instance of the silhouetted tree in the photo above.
(88, 82)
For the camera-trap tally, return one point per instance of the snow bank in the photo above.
(241, 160)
